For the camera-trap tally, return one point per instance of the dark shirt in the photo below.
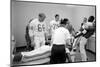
(90, 31)
(27, 30)
(27, 34)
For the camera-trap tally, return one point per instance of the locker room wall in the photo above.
(22, 12)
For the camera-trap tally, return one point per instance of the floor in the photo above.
(90, 55)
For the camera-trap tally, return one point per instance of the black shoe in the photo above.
(87, 59)
(17, 57)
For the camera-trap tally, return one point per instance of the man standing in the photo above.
(61, 36)
(88, 30)
(77, 40)
(38, 31)
(54, 24)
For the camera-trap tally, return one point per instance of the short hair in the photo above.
(42, 15)
(85, 18)
(64, 21)
(56, 15)
(91, 19)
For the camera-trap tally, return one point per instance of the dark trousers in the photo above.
(58, 54)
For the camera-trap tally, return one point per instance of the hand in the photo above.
(72, 39)
(84, 31)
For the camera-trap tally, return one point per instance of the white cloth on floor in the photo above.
(40, 50)
(38, 54)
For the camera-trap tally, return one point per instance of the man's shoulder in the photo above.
(53, 21)
(34, 21)
(66, 30)
(30, 20)
(89, 24)
(61, 28)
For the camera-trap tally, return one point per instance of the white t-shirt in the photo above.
(61, 35)
(54, 25)
(37, 28)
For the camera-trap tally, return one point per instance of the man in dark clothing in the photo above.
(88, 30)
